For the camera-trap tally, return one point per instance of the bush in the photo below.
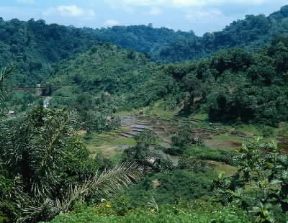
(198, 213)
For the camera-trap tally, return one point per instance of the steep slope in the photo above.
(170, 46)
(234, 85)
(98, 82)
(145, 39)
(251, 32)
(103, 68)
(104, 71)
(33, 46)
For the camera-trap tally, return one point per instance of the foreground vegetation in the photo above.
(45, 169)
(165, 214)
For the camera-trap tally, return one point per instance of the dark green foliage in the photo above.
(145, 153)
(194, 164)
(45, 169)
(204, 153)
(146, 138)
(33, 45)
(103, 68)
(231, 86)
(40, 160)
(104, 77)
(183, 138)
(154, 42)
(260, 184)
(4, 73)
(197, 213)
(97, 83)
(173, 186)
(170, 46)
(235, 60)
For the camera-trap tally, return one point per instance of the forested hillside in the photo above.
(233, 85)
(169, 46)
(99, 82)
(33, 46)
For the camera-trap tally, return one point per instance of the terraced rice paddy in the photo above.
(112, 144)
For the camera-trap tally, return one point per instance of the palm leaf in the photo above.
(103, 184)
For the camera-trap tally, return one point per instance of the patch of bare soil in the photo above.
(222, 144)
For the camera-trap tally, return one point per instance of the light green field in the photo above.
(110, 144)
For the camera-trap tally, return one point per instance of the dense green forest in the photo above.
(170, 46)
(33, 46)
(137, 124)
(233, 85)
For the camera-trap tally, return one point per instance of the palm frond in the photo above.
(32, 212)
(3, 75)
(103, 184)
(112, 180)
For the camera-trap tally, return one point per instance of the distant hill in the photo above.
(169, 46)
(33, 45)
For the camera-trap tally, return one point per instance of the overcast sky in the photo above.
(197, 15)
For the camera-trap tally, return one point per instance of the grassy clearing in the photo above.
(250, 130)
(159, 110)
(223, 168)
(110, 144)
(200, 116)
(224, 142)
(220, 160)
(205, 153)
